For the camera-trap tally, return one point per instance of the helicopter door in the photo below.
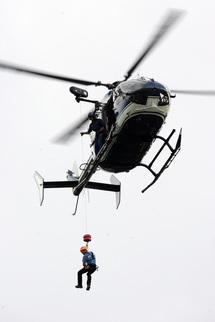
(108, 114)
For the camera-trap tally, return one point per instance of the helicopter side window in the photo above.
(118, 96)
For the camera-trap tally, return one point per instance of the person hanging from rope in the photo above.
(98, 126)
(89, 263)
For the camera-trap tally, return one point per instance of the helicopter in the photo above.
(134, 111)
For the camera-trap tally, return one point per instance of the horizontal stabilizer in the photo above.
(40, 184)
(114, 186)
(117, 183)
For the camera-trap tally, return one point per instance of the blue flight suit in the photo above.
(96, 126)
(90, 259)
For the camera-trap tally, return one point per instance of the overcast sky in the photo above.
(157, 251)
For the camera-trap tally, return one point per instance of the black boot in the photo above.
(79, 286)
(88, 287)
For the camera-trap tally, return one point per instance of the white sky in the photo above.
(157, 251)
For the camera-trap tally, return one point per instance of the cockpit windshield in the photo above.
(132, 85)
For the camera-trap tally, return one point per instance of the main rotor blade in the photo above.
(64, 138)
(173, 15)
(194, 92)
(44, 74)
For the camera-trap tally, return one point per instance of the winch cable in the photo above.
(84, 194)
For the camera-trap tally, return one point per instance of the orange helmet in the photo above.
(83, 248)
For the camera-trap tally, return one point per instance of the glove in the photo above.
(82, 133)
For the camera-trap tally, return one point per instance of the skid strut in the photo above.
(174, 152)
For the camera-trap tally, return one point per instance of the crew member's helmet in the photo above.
(91, 114)
(83, 248)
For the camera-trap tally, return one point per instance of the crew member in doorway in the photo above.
(89, 263)
(98, 126)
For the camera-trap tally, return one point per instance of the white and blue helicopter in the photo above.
(134, 111)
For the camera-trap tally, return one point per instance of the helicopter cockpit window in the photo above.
(132, 85)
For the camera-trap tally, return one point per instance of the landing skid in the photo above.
(174, 152)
